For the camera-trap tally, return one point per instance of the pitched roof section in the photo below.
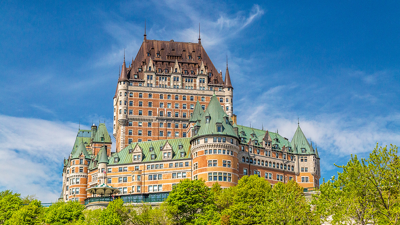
(300, 143)
(79, 151)
(165, 54)
(102, 134)
(213, 117)
(82, 136)
(125, 156)
(245, 134)
(197, 113)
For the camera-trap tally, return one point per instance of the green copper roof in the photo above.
(213, 117)
(82, 136)
(80, 150)
(102, 156)
(197, 113)
(300, 144)
(248, 133)
(102, 134)
(125, 155)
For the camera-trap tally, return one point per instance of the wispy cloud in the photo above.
(32, 153)
(336, 134)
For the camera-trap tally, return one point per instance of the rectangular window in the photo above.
(244, 171)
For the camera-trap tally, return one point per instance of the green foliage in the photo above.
(367, 191)
(147, 215)
(114, 214)
(248, 201)
(64, 212)
(188, 200)
(287, 205)
(91, 217)
(9, 203)
(29, 214)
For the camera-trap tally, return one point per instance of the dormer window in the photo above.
(130, 151)
(207, 119)
(303, 150)
(190, 57)
(180, 146)
(160, 148)
(135, 76)
(116, 159)
(256, 142)
(153, 156)
(148, 54)
(158, 54)
(149, 68)
(151, 149)
(176, 70)
(140, 69)
(183, 154)
(219, 128)
(241, 139)
(102, 138)
(201, 71)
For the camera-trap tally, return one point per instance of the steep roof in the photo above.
(164, 54)
(227, 78)
(246, 134)
(80, 150)
(102, 156)
(125, 156)
(82, 136)
(102, 134)
(299, 142)
(124, 75)
(217, 116)
(197, 113)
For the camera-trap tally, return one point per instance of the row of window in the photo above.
(74, 191)
(161, 134)
(268, 153)
(150, 113)
(81, 162)
(219, 151)
(267, 164)
(73, 170)
(176, 97)
(214, 163)
(219, 176)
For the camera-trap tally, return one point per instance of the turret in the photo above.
(228, 101)
(214, 141)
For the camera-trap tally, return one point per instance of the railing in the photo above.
(139, 198)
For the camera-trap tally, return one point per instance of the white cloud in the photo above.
(32, 152)
(336, 135)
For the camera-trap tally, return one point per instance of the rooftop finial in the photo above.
(298, 121)
(199, 35)
(145, 38)
(226, 60)
(124, 54)
(79, 124)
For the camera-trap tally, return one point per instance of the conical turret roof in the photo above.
(213, 117)
(124, 75)
(102, 156)
(227, 78)
(80, 150)
(197, 113)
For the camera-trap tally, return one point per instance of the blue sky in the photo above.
(335, 65)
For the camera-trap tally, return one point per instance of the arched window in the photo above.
(262, 162)
(251, 160)
(247, 159)
(243, 160)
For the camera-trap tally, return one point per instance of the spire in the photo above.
(199, 35)
(227, 77)
(124, 75)
(103, 158)
(145, 36)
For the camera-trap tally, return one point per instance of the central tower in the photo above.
(156, 93)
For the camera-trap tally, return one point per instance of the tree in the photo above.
(247, 201)
(145, 214)
(64, 212)
(114, 214)
(9, 203)
(187, 201)
(367, 191)
(288, 205)
(29, 214)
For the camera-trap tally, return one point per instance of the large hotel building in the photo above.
(173, 119)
